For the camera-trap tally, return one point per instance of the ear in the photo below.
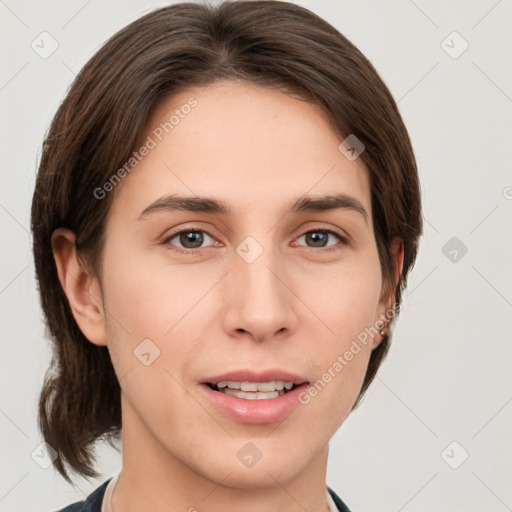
(387, 298)
(82, 289)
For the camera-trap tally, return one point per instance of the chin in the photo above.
(259, 464)
(261, 476)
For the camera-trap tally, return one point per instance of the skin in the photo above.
(296, 307)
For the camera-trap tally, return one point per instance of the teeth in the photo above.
(232, 385)
(255, 387)
(251, 396)
(250, 386)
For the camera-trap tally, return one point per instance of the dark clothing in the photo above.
(337, 501)
(93, 502)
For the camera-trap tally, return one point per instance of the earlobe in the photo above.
(80, 287)
(387, 301)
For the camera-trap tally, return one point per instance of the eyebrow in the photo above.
(304, 204)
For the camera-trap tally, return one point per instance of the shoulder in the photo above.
(91, 504)
(337, 501)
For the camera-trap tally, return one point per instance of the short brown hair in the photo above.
(96, 128)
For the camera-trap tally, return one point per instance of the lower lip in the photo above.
(268, 410)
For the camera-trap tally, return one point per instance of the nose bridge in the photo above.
(260, 303)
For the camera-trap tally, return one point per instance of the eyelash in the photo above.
(332, 248)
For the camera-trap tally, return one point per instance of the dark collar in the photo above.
(91, 504)
(337, 501)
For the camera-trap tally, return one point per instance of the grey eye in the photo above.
(319, 238)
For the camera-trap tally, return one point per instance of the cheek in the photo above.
(147, 299)
(345, 298)
(348, 310)
(157, 303)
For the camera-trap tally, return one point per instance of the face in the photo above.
(254, 287)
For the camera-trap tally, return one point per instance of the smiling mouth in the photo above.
(253, 390)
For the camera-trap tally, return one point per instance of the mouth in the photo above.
(253, 397)
(253, 390)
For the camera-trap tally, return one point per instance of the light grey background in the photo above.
(448, 374)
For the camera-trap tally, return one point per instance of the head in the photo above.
(247, 104)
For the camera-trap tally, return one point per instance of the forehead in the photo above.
(252, 147)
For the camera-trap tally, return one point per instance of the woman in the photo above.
(226, 211)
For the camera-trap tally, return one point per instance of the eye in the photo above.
(189, 239)
(319, 238)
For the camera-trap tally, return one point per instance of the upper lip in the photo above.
(253, 376)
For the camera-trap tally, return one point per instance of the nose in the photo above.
(259, 302)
